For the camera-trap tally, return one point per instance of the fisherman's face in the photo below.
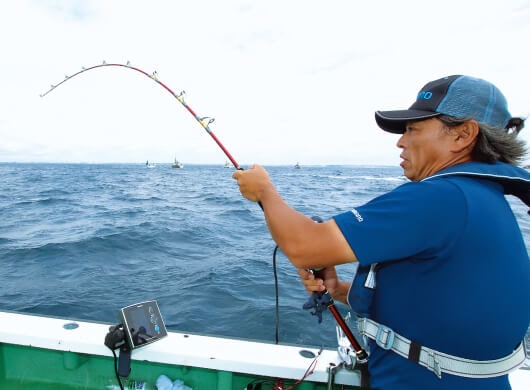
(426, 148)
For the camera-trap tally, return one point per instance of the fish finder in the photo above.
(142, 323)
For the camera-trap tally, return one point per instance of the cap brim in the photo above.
(395, 121)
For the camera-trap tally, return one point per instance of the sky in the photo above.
(286, 80)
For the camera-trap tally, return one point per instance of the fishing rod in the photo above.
(321, 300)
(203, 121)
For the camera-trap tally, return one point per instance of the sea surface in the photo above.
(82, 241)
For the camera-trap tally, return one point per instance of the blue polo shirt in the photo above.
(454, 276)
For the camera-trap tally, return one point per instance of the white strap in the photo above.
(439, 362)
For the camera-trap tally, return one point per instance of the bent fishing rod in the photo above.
(205, 122)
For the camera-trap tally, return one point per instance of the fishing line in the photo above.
(203, 121)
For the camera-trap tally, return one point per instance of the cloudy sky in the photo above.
(285, 80)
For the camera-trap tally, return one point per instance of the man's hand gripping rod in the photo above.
(322, 300)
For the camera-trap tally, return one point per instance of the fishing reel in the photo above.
(346, 352)
(319, 302)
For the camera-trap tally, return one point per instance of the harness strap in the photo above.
(436, 361)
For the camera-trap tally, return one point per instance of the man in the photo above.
(443, 285)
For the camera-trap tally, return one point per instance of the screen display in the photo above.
(143, 323)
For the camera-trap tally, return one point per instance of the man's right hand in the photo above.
(325, 279)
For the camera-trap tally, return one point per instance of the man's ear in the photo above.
(465, 135)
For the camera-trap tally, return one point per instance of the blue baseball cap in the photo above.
(458, 96)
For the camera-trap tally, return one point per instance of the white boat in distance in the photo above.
(177, 164)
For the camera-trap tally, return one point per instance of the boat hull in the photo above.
(61, 354)
(41, 352)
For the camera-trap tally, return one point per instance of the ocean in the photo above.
(84, 240)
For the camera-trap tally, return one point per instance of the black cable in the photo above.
(116, 369)
(277, 294)
(113, 340)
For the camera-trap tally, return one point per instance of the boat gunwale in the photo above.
(181, 349)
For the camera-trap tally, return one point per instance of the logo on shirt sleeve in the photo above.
(357, 215)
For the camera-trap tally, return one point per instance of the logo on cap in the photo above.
(425, 95)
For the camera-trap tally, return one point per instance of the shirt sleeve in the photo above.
(417, 220)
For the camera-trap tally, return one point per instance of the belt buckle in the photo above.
(384, 337)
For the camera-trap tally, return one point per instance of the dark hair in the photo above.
(495, 144)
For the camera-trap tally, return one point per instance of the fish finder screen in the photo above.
(143, 323)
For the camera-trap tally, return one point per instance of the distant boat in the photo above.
(150, 165)
(227, 164)
(177, 164)
(297, 165)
